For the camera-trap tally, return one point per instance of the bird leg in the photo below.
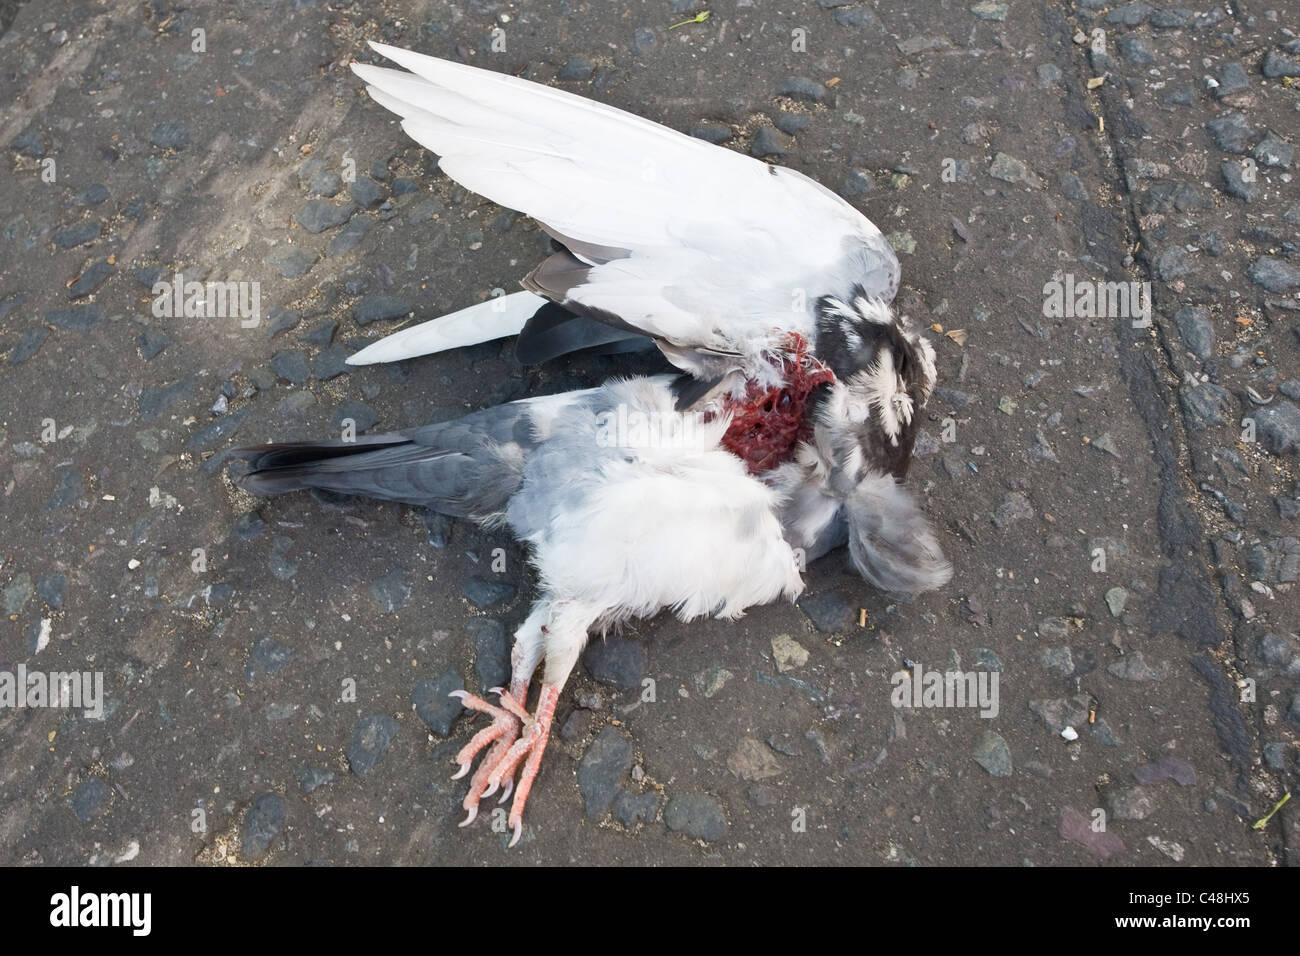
(531, 744)
(506, 722)
(517, 736)
(503, 732)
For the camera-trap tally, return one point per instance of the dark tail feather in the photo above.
(464, 474)
(380, 466)
(286, 454)
(296, 466)
(554, 331)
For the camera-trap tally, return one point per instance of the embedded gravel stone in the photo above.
(752, 761)
(29, 343)
(349, 237)
(262, 825)
(76, 318)
(616, 661)
(391, 592)
(491, 652)
(1077, 828)
(311, 779)
(1272, 150)
(1276, 66)
(1231, 132)
(858, 183)
(993, 754)
(1058, 661)
(52, 589)
(91, 800)
(1273, 274)
(16, 595)
(1166, 768)
(326, 183)
(1193, 323)
(714, 133)
(696, 815)
(602, 768)
(434, 704)
(1134, 667)
(371, 737)
(1014, 506)
(577, 68)
(282, 320)
(484, 593)
(1236, 182)
(266, 657)
(1273, 650)
(632, 809)
(1172, 263)
(171, 135)
(1130, 803)
(375, 308)
(1129, 14)
(295, 262)
(361, 415)
(802, 88)
(366, 193)
(1232, 79)
(829, 612)
(331, 363)
(1206, 405)
(1277, 427)
(319, 215)
(291, 365)
(91, 278)
(1009, 169)
(770, 141)
(1061, 712)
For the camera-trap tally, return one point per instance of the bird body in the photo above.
(705, 493)
(628, 505)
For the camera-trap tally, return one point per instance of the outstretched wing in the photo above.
(697, 246)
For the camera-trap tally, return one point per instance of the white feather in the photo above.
(683, 526)
(723, 251)
(494, 319)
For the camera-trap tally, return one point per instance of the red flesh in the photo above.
(768, 422)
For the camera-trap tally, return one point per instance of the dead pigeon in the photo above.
(629, 506)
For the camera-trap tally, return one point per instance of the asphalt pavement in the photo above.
(1096, 212)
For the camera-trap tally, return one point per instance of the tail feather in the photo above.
(387, 466)
(286, 454)
(554, 331)
(466, 467)
(496, 318)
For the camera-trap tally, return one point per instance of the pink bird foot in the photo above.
(498, 767)
(503, 732)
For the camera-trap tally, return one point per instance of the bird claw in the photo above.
(518, 740)
(499, 737)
